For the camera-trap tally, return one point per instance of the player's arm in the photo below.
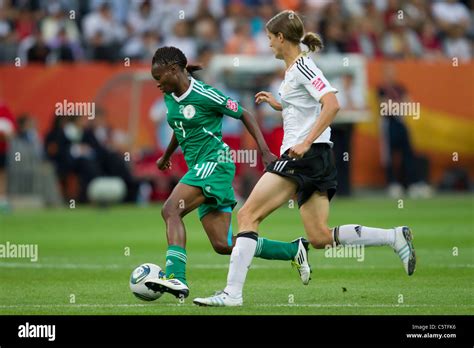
(267, 97)
(328, 113)
(227, 106)
(164, 161)
(252, 126)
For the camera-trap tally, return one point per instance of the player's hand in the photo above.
(267, 97)
(268, 157)
(163, 163)
(299, 150)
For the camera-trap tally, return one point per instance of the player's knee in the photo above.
(168, 211)
(221, 247)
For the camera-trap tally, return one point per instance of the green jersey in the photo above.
(196, 119)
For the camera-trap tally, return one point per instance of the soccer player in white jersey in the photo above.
(306, 165)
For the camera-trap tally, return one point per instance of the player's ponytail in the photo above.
(191, 68)
(313, 41)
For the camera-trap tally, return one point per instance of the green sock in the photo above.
(275, 250)
(176, 263)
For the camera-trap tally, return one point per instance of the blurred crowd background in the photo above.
(65, 158)
(48, 31)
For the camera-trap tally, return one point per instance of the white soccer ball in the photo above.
(138, 278)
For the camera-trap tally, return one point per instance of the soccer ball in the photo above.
(138, 278)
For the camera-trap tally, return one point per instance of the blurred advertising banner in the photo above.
(439, 111)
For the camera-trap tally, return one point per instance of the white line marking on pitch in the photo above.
(315, 305)
(212, 266)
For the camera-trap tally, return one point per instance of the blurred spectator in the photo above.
(52, 141)
(113, 29)
(28, 132)
(71, 155)
(430, 41)
(56, 23)
(210, 8)
(103, 33)
(119, 8)
(182, 38)
(6, 27)
(31, 177)
(362, 38)
(351, 99)
(448, 13)
(456, 45)
(25, 24)
(98, 135)
(63, 49)
(417, 12)
(391, 12)
(141, 46)
(265, 13)
(348, 96)
(206, 32)
(400, 41)
(143, 19)
(236, 13)
(39, 52)
(395, 139)
(241, 42)
(172, 11)
(333, 37)
(204, 58)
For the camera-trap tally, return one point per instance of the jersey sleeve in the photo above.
(313, 79)
(219, 102)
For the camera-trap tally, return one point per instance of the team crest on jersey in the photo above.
(189, 111)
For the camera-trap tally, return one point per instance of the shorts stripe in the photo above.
(280, 165)
(210, 170)
(206, 168)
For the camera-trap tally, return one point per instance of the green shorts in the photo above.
(215, 180)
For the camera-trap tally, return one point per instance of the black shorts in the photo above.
(315, 171)
(3, 160)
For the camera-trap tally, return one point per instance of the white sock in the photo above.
(362, 235)
(240, 261)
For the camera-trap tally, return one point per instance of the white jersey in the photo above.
(300, 93)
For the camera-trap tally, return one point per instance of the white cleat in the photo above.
(173, 286)
(405, 249)
(220, 299)
(300, 262)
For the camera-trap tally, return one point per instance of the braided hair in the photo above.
(169, 55)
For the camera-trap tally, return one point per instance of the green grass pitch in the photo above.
(82, 258)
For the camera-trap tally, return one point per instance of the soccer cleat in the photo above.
(405, 249)
(173, 286)
(220, 299)
(300, 262)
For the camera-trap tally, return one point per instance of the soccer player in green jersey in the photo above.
(194, 112)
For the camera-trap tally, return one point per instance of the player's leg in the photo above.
(270, 192)
(315, 213)
(218, 226)
(183, 199)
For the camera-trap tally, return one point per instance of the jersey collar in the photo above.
(302, 54)
(185, 94)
